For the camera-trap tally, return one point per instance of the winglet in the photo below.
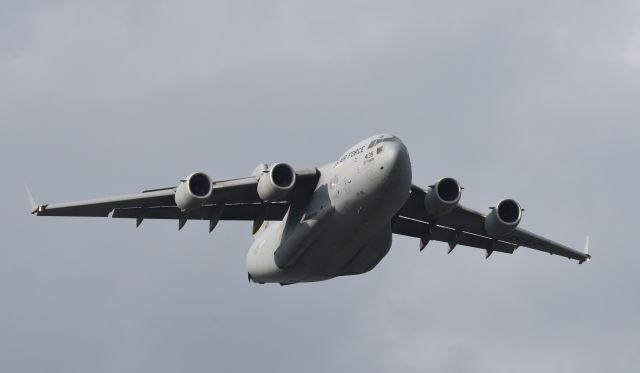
(586, 251)
(586, 247)
(34, 206)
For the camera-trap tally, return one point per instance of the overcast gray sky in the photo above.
(535, 100)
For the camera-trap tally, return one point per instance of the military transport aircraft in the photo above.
(334, 220)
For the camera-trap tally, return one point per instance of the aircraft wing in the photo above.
(235, 199)
(466, 227)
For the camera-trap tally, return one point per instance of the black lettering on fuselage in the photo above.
(351, 154)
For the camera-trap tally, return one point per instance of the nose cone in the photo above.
(397, 166)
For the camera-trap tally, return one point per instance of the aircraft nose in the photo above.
(397, 163)
(395, 155)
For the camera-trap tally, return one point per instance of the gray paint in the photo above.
(535, 101)
(343, 227)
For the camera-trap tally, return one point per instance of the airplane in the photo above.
(334, 220)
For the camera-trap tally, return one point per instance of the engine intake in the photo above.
(194, 191)
(504, 218)
(276, 182)
(442, 197)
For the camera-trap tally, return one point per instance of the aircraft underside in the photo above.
(349, 231)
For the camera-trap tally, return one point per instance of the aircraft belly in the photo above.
(343, 237)
(342, 244)
(300, 237)
(354, 241)
(370, 254)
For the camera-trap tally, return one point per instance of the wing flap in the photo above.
(243, 190)
(274, 211)
(419, 229)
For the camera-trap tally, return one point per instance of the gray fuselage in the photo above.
(344, 228)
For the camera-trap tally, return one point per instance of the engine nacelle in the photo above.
(442, 197)
(276, 182)
(194, 191)
(504, 218)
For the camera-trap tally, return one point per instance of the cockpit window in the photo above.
(382, 138)
(374, 143)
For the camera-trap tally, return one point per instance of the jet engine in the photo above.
(442, 197)
(193, 191)
(504, 218)
(276, 182)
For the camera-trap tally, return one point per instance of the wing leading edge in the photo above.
(466, 227)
